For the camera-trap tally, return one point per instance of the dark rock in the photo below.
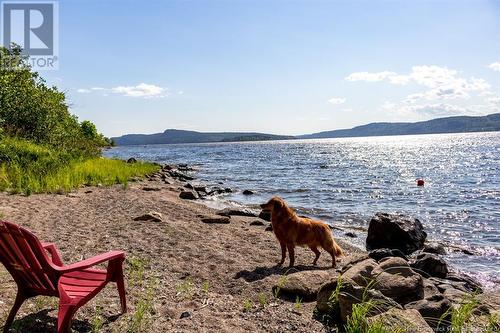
(166, 167)
(201, 189)
(351, 234)
(351, 293)
(395, 231)
(228, 190)
(269, 228)
(379, 254)
(257, 223)
(361, 272)
(248, 192)
(304, 284)
(216, 219)
(396, 280)
(434, 310)
(468, 283)
(131, 160)
(265, 215)
(88, 191)
(185, 314)
(396, 320)
(189, 195)
(189, 186)
(151, 216)
(237, 212)
(430, 289)
(150, 189)
(435, 248)
(430, 264)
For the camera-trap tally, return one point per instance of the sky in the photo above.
(283, 67)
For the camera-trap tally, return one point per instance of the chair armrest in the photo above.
(56, 257)
(90, 262)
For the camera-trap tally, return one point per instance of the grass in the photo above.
(247, 305)
(143, 308)
(262, 299)
(185, 288)
(28, 168)
(205, 287)
(298, 304)
(356, 322)
(281, 282)
(98, 320)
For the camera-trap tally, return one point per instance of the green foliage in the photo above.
(298, 303)
(31, 110)
(28, 168)
(247, 305)
(261, 297)
(356, 322)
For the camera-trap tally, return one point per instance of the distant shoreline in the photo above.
(448, 125)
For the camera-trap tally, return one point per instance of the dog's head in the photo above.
(273, 205)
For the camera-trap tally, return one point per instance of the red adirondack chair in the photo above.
(35, 273)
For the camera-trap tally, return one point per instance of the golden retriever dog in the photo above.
(292, 230)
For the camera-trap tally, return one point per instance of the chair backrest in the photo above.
(24, 257)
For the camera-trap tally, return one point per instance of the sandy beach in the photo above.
(218, 277)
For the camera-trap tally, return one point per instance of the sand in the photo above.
(213, 275)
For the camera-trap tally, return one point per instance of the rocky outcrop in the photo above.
(435, 248)
(395, 231)
(429, 264)
(379, 254)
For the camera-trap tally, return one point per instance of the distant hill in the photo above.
(458, 124)
(440, 125)
(180, 136)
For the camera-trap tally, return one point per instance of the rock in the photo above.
(464, 282)
(257, 222)
(131, 160)
(188, 195)
(396, 320)
(351, 293)
(185, 314)
(201, 189)
(269, 228)
(149, 189)
(454, 295)
(325, 301)
(395, 231)
(429, 264)
(435, 248)
(189, 186)
(304, 284)
(151, 216)
(379, 254)
(433, 309)
(265, 215)
(491, 300)
(430, 289)
(216, 219)
(248, 192)
(228, 190)
(361, 272)
(351, 234)
(237, 212)
(396, 280)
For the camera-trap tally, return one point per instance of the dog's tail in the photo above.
(330, 243)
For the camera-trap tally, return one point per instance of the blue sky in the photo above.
(285, 67)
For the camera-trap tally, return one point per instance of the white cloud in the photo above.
(494, 66)
(442, 83)
(141, 90)
(336, 100)
(370, 77)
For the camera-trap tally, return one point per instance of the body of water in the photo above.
(346, 181)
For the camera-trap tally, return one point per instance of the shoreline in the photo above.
(205, 271)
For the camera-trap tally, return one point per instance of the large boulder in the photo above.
(351, 293)
(398, 320)
(188, 195)
(395, 231)
(304, 284)
(326, 296)
(429, 264)
(435, 310)
(361, 272)
(395, 279)
(435, 248)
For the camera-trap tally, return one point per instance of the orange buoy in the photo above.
(420, 182)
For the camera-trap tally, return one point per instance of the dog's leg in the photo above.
(291, 254)
(283, 254)
(316, 252)
(334, 260)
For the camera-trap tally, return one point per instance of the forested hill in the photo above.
(180, 136)
(440, 125)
